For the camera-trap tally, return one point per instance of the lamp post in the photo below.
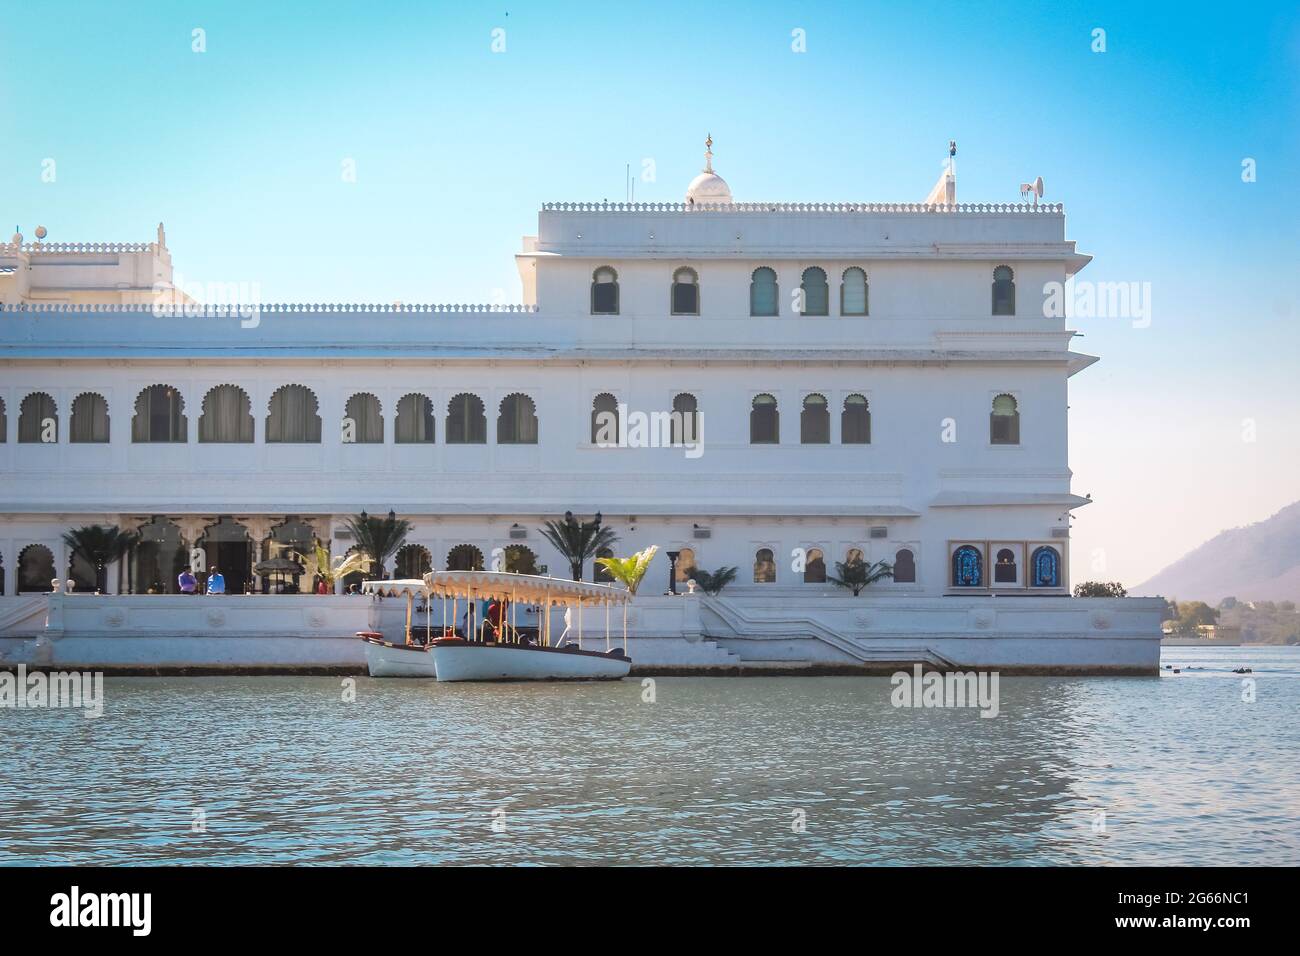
(672, 571)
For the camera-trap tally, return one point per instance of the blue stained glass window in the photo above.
(967, 567)
(1046, 564)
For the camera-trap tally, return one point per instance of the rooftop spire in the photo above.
(708, 153)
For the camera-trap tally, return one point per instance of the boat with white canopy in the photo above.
(494, 647)
(473, 644)
(411, 658)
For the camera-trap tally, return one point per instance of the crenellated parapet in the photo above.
(314, 308)
(807, 207)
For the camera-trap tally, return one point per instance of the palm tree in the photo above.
(380, 538)
(712, 583)
(629, 572)
(99, 546)
(857, 574)
(319, 564)
(578, 540)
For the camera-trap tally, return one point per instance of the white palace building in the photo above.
(773, 387)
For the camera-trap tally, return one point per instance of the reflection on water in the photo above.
(712, 772)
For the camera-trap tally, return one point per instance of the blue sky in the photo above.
(239, 151)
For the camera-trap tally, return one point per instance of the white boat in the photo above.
(461, 660)
(385, 658)
(499, 651)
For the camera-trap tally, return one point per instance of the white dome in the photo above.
(708, 189)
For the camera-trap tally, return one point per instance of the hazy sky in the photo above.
(240, 151)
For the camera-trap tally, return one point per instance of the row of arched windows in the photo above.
(968, 569)
(814, 294)
(293, 417)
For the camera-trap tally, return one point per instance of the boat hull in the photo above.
(467, 661)
(394, 660)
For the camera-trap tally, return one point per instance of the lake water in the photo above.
(715, 770)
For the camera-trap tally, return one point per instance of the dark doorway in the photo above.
(227, 546)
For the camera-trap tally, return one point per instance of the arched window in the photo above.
(1045, 568)
(158, 557)
(967, 567)
(464, 557)
(854, 556)
(1004, 567)
(1004, 421)
(228, 546)
(816, 292)
(89, 424)
(1004, 291)
(226, 417)
(764, 294)
(363, 420)
(685, 565)
(604, 291)
(414, 424)
(764, 421)
(685, 419)
(159, 416)
(517, 421)
(466, 422)
(904, 566)
(599, 573)
(35, 569)
(412, 562)
(764, 566)
(815, 421)
(293, 416)
(290, 536)
(83, 574)
(604, 420)
(520, 559)
(38, 420)
(814, 569)
(4, 436)
(686, 292)
(853, 292)
(855, 421)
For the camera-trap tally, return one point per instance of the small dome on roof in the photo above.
(708, 188)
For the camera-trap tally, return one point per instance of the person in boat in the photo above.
(496, 617)
(470, 617)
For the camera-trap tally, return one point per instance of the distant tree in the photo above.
(1100, 589)
(99, 546)
(380, 538)
(712, 582)
(1228, 603)
(857, 574)
(578, 541)
(1194, 614)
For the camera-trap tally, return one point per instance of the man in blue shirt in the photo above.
(216, 583)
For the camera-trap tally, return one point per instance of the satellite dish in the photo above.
(1034, 189)
(41, 232)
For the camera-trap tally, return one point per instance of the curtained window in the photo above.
(159, 416)
(816, 292)
(1004, 291)
(89, 424)
(466, 422)
(4, 436)
(363, 421)
(1004, 421)
(685, 419)
(853, 292)
(226, 417)
(517, 421)
(855, 421)
(815, 421)
(764, 566)
(686, 292)
(414, 425)
(38, 419)
(293, 416)
(604, 291)
(814, 570)
(464, 557)
(764, 421)
(764, 297)
(604, 420)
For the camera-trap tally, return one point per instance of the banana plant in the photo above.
(629, 572)
(320, 564)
